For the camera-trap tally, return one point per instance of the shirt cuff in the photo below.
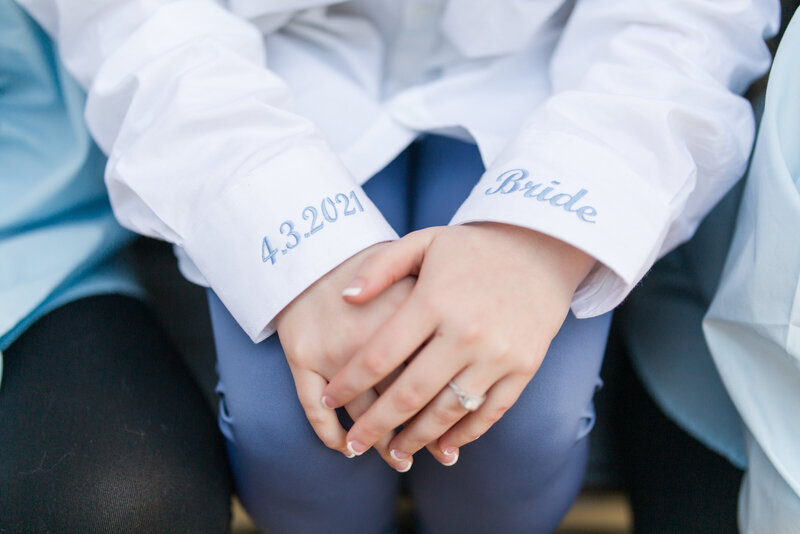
(580, 193)
(266, 238)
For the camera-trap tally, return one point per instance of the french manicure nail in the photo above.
(354, 289)
(356, 447)
(454, 459)
(451, 452)
(403, 467)
(327, 402)
(398, 455)
(349, 455)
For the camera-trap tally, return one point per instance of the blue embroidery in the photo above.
(330, 213)
(290, 232)
(512, 182)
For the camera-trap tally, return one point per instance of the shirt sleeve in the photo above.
(644, 132)
(205, 150)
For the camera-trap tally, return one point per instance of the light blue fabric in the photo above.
(58, 237)
(753, 325)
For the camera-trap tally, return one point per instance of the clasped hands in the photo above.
(476, 304)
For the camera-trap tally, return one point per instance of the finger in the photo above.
(355, 409)
(401, 465)
(324, 422)
(389, 264)
(442, 413)
(499, 399)
(447, 458)
(399, 337)
(416, 386)
(384, 384)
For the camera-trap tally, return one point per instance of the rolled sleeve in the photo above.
(207, 151)
(644, 126)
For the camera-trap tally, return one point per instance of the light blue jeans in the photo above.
(521, 476)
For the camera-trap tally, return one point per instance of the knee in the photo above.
(522, 474)
(260, 414)
(268, 436)
(540, 427)
(555, 413)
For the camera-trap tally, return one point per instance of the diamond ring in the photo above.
(469, 401)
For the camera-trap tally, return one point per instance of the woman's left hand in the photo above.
(488, 301)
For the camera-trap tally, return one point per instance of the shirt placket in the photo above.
(416, 43)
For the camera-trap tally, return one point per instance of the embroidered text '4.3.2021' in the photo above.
(315, 221)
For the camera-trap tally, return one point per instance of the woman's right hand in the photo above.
(320, 332)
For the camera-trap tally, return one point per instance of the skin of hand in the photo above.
(320, 332)
(488, 301)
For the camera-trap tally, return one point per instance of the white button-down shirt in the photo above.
(242, 130)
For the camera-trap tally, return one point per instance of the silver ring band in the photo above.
(468, 401)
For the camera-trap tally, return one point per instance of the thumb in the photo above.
(389, 264)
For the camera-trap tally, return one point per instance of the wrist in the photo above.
(564, 262)
(328, 287)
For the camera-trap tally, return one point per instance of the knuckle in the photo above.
(407, 400)
(315, 418)
(330, 441)
(298, 350)
(528, 367)
(471, 434)
(498, 345)
(330, 359)
(492, 415)
(412, 443)
(387, 277)
(471, 332)
(306, 402)
(373, 364)
(370, 433)
(444, 416)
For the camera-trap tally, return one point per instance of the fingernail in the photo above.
(403, 467)
(354, 289)
(350, 455)
(328, 402)
(398, 455)
(356, 447)
(451, 462)
(453, 453)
